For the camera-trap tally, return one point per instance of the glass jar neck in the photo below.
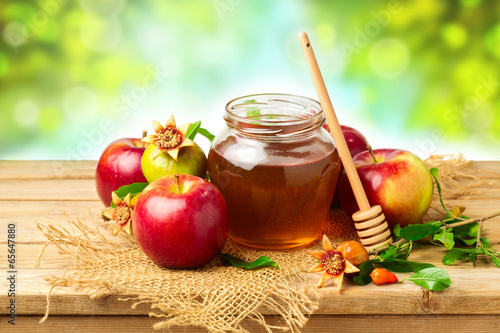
(274, 116)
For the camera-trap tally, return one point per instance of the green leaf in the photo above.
(206, 134)
(467, 241)
(434, 172)
(468, 230)
(134, 189)
(397, 230)
(394, 265)
(193, 130)
(495, 259)
(486, 242)
(404, 266)
(453, 255)
(396, 252)
(261, 262)
(416, 232)
(364, 272)
(433, 278)
(390, 253)
(446, 237)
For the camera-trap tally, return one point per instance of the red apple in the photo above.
(398, 181)
(119, 165)
(180, 224)
(356, 142)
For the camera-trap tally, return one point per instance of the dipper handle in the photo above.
(369, 221)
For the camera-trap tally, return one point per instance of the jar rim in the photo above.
(274, 113)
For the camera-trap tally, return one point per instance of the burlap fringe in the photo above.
(460, 181)
(217, 297)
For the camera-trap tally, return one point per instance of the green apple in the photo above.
(171, 152)
(191, 161)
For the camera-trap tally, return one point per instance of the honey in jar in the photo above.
(277, 169)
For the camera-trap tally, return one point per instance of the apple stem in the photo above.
(177, 183)
(371, 152)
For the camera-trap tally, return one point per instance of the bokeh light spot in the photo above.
(389, 58)
(50, 32)
(470, 3)
(17, 11)
(100, 34)
(14, 35)
(102, 7)
(326, 35)
(50, 119)
(4, 64)
(26, 114)
(478, 115)
(492, 40)
(454, 35)
(80, 104)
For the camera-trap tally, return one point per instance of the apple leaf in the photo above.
(206, 134)
(468, 230)
(404, 266)
(432, 278)
(466, 241)
(486, 242)
(495, 259)
(196, 128)
(365, 269)
(453, 255)
(415, 232)
(260, 262)
(193, 130)
(445, 236)
(134, 189)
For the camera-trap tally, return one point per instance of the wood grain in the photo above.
(465, 296)
(47, 169)
(46, 190)
(316, 324)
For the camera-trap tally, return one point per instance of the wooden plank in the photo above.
(85, 169)
(48, 189)
(24, 213)
(388, 299)
(81, 189)
(473, 290)
(47, 169)
(26, 254)
(315, 324)
(467, 294)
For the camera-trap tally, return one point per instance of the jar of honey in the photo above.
(277, 168)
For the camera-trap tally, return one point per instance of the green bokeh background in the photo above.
(422, 75)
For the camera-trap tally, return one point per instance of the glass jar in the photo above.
(277, 168)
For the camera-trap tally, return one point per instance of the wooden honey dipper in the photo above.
(370, 222)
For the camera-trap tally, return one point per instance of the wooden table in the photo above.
(33, 190)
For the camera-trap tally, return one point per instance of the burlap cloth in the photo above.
(219, 297)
